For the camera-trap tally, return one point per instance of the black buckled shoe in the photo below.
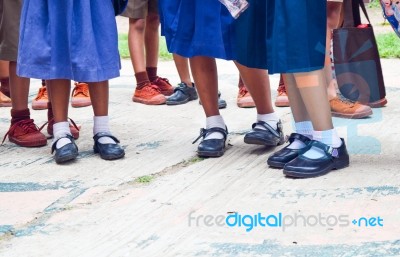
(268, 136)
(285, 155)
(108, 151)
(211, 147)
(182, 94)
(303, 167)
(66, 153)
(221, 102)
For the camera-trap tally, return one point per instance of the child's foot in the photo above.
(107, 146)
(244, 99)
(25, 133)
(5, 101)
(182, 94)
(212, 146)
(65, 149)
(298, 144)
(149, 94)
(307, 167)
(41, 99)
(80, 95)
(72, 126)
(264, 134)
(164, 86)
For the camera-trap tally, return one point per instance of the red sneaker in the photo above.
(80, 95)
(41, 100)
(25, 133)
(149, 94)
(282, 99)
(5, 101)
(244, 99)
(72, 126)
(163, 84)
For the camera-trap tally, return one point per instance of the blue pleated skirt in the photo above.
(68, 39)
(197, 28)
(283, 36)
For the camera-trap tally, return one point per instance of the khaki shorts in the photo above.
(10, 13)
(138, 9)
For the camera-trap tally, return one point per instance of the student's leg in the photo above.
(105, 144)
(5, 78)
(136, 44)
(330, 151)
(267, 130)
(185, 91)
(204, 71)
(151, 43)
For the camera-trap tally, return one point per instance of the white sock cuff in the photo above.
(215, 121)
(61, 129)
(304, 128)
(100, 124)
(329, 137)
(267, 117)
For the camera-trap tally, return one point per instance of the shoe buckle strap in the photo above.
(268, 127)
(300, 137)
(329, 150)
(204, 132)
(103, 134)
(54, 144)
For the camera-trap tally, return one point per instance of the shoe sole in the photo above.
(246, 105)
(109, 157)
(336, 166)
(79, 104)
(39, 105)
(67, 158)
(282, 104)
(378, 104)
(258, 141)
(177, 103)
(278, 165)
(5, 104)
(39, 143)
(210, 154)
(352, 116)
(149, 102)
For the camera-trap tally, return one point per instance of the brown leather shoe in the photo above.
(244, 99)
(72, 126)
(163, 84)
(282, 99)
(25, 133)
(5, 101)
(80, 95)
(346, 109)
(378, 104)
(41, 100)
(149, 94)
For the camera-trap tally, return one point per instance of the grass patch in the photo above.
(144, 179)
(388, 45)
(124, 48)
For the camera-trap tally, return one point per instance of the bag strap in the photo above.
(352, 16)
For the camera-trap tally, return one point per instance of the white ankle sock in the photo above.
(212, 122)
(100, 125)
(304, 128)
(61, 129)
(271, 119)
(328, 137)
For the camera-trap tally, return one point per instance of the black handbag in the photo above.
(356, 58)
(119, 6)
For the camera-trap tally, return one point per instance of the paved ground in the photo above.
(97, 208)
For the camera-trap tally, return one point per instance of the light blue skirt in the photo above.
(68, 39)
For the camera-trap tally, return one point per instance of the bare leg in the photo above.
(100, 92)
(257, 82)
(136, 44)
(19, 89)
(204, 71)
(182, 66)
(151, 39)
(59, 90)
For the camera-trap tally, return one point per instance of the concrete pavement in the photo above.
(161, 200)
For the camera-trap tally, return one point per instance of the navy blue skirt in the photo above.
(197, 28)
(283, 36)
(68, 39)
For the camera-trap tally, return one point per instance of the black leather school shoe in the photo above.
(268, 136)
(285, 155)
(66, 153)
(182, 94)
(108, 151)
(211, 147)
(303, 167)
